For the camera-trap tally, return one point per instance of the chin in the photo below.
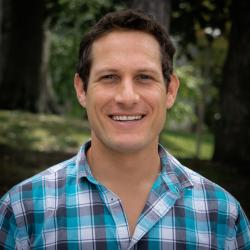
(129, 147)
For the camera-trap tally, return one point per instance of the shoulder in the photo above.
(24, 203)
(222, 209)
(213, 201)
(41, 184)
(209, 208)
(205, 195)
(211, 189)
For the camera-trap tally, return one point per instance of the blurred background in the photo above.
(42, 124)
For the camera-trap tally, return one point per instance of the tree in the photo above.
(232, 138)
(161, 10)
(1, 49)
(24, 81)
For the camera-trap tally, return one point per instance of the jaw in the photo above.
(124, 143)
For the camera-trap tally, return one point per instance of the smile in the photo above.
(126, 117)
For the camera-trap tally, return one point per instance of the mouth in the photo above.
(126, 118)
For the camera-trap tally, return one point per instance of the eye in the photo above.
(144, 77)
(109, 78)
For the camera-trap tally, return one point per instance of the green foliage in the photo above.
(189, 91)
(201, 29)
(199, 77)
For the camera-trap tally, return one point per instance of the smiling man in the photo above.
(123, 190)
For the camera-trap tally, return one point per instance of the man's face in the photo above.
(127, 98)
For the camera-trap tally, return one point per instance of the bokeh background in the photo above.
(42, 124)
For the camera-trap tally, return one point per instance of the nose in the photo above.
(127, 93)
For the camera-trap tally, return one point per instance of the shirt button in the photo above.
(111, 198)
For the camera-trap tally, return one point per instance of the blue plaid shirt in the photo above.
(65, 207)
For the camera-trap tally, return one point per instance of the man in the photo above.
(123, 190)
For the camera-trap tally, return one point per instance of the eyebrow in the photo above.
(104, 70)
(148, 70)
(113, 70)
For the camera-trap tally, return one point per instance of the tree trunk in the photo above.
(1, 50)
(2, 38)
(160, 9)
(232, 138)
(22, 81)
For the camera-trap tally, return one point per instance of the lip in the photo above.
(127, 123)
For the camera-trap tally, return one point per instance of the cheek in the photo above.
(96, 105)
(157, 100)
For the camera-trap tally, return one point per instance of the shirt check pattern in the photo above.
(65, 207)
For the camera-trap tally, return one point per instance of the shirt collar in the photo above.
(83, 169)
(172, 171)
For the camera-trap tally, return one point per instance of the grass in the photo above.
(183, 144)
(43, 133)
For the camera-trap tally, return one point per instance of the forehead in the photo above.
(121, 31)
(121, 45)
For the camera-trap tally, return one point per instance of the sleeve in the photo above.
(8, 226)
(242, 231)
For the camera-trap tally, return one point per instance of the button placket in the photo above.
(119, 217)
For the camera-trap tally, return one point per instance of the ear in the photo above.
(79, 88)
(172, 90)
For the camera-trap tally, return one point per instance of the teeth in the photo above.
(126, 117)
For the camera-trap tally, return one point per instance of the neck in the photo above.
(109, 166)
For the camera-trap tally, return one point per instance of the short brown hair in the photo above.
(125, 20)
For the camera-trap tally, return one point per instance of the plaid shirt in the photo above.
(65, 207)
